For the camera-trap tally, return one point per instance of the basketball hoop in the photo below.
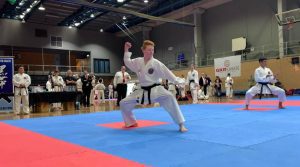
(290, 21)
(290, 24)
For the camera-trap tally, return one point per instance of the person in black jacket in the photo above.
(86, 88)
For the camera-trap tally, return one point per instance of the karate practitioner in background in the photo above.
(58, 86)
(149, 71)
(264, 79)
(99, 91)
(229, 86)
(192, 80)
(21, 83)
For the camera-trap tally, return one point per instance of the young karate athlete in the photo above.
(149, 72)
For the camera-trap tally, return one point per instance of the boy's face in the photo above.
(148, 51)
(263, 63)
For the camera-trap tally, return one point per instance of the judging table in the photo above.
(40, 101)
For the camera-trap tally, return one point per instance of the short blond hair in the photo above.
(147, 43)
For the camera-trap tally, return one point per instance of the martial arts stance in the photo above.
(264, 79)
(192, 80)
(149, 70)
(21, 82)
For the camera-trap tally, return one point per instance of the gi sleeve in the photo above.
(130, 63)
(170, 76)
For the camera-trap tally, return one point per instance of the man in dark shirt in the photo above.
(70, 81)
(86, 88)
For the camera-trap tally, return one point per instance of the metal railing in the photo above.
(45, 69)
(290, 48)
(270, 51)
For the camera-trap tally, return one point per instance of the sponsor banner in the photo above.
(225, 65)
(6, 84)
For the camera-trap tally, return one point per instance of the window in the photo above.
(101, 66)
(56, 41)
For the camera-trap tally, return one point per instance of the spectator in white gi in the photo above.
(229, 86)
(110, 91)
(192, 80)
(21, 83)
(59, 84)
(99, 91)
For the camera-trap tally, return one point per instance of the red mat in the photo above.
(141, 124)
(20, 147)
(261, 102)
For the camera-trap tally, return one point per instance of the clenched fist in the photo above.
(127, 46)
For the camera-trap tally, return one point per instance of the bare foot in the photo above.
(182, 128)
(280, 106)
(132, 126)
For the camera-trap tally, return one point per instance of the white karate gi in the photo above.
(59, 84)
(260, 75)
(149, 74)
(21, 92)
(193, 75)
(49, 86)
(172, 88)
(228, 86)
(201, 95)
(100, 87)
(181, 88)
(110, 91)
(92, 94)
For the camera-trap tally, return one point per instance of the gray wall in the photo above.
(253, 19)
(101, 45)
(180, 37)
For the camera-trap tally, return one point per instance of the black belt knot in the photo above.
(262, 87)
(148, 89)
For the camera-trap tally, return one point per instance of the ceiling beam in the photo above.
(122, 10)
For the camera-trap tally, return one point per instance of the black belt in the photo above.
(191, 81)
(148, 88)
(261, 89)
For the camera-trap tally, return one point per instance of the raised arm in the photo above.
(130, 63)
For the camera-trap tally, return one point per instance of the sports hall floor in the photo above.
(220, 134)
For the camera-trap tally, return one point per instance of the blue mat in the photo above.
(218, 135)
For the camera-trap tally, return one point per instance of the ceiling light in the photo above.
(77, 24)
(101, 30)
(92, 16)
(28, 9)
(124, 17)
(120, 1)
(146, 1)
(42, 7)
(22, 16)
